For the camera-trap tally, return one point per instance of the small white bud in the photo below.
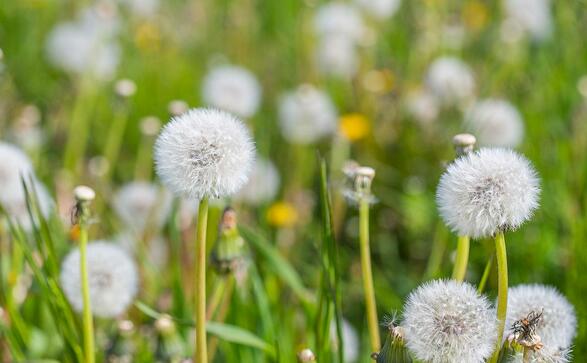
(84, 194)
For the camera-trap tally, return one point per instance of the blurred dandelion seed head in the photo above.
(337, 56)
(204, 153)
(112, 275)
(233, 89)
(495, 122)
(306, 115)
(263, 183)
(177, 107)
(533, 17)
(350, 338)
(379, 9)
(340, 19)
(125, 88)
(487, 191)
(141, 204)
(558, 325)
(448, 321)
(451, 81)
(150, 126)
(422, 106)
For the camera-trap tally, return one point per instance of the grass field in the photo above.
(298, 271)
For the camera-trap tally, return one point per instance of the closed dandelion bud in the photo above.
(358, 183)
(112, 275)
(542, 311)
(125, 88)
(204, 153)
(233, 89)
(495, 122)
(448, 321)
(306, 355)
(228, 255)
(486, 192)
(464, 143)
(165, 325)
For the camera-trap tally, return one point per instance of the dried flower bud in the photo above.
(464, 143)
(83, 193)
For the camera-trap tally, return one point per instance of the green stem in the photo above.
(436, 252)
(461, 259)
(200, 352)
(143, 163)
(79, 125)
(485, 276)
(502, 290)
(88, 323)
(115, 136)
(368, 276)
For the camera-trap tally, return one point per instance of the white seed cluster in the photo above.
(451, 81)
(448, 321)
(142, 204)
(495, 122)
(112, 276)
(204, 152)
(263, 183)
(487, 191)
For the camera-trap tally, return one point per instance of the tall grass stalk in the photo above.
(201, 352)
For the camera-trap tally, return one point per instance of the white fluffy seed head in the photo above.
(204, 152)
(451, 81)
(422, 106)
(487, 191)
(142, 204)
(337, 18)
(112, 277)
(337, 56)
(545, 354)
(85, 45)
(558, 325)
(263, 184)
(533, 16)
(448, 321)
(379, 9)
(233, 89)
(495, 122)
(16, 204)
(306, 115)
(14, 164)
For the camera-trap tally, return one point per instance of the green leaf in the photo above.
(234, 334)
(279, 264)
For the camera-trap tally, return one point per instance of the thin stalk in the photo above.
(143, 163)
(461, 259)
(114, 141)
(222, 312)
(436, 252)
(502, 290)
(372, 321)
(88, 323)
(485, 275)
(79, 125)
(200, 352)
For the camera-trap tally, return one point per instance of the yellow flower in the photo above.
(147, 37)
(354, 126)
(282, 214)
(475, 15)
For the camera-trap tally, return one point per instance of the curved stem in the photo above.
(200, 352)
(88, 323)
(502, 290)
(368, 276)
(461, 259)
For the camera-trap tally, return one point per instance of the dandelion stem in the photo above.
(114, 140)
(502, 290)
(200, 352)
(368, 276)
(461, 259)
(88, 323)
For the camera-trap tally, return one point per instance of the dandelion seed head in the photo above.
(306, 115)
(141, 204)
(337, 56)
(487, 191)
(533, 16)
(263, 183)
(14, 164)
(451, 81)
(495, 122)
(112, 276)
(204, 152)
(337, 18)
(558, 324)
(422, 106)
(233, 89)
(447, 321)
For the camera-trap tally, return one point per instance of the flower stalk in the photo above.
(201, 353)
(84, 196)
(502, 290)
(461, 258)
(363, 179)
